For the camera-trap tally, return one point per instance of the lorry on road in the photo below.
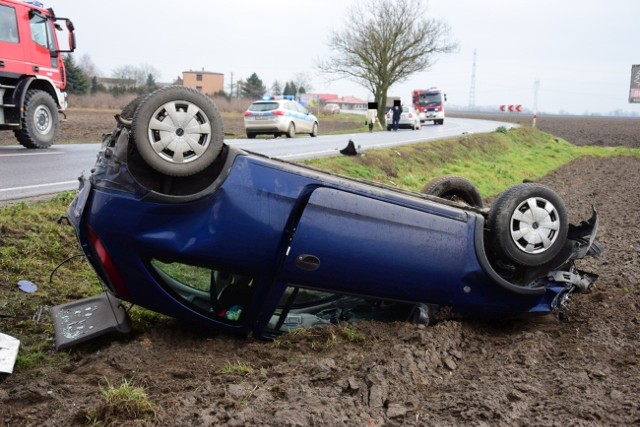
(32, 72)
(429, 103)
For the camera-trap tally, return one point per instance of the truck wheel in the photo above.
(40, 122)
(455, 188)
(177, 131)
(528, 224)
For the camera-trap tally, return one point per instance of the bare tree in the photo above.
(145, 72)
(303, 80)
(128, 74)
(85, 63)
(384, 42)
(134, 77)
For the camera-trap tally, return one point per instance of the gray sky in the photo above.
(580, 51)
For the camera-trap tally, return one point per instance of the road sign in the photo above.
(511, 108)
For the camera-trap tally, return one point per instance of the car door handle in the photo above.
(36, 68)
(307, 262)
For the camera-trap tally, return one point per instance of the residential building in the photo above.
(349, 103)
(206, 82)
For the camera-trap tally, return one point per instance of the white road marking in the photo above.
(31, 154)
(28, 187)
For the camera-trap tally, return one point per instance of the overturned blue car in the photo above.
(175, 220)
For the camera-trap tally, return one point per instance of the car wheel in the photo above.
(314, 130)
(40, 123)
(454, 188)
(388, 128)
(251, 135)
(129, 110)
(528, 224)
(291, 130)
(177, 131)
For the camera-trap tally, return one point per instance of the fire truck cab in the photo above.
(429, 103)
(32, 73)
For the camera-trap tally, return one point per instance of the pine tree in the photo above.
(77, 80)
(253, 87)
(290, 89)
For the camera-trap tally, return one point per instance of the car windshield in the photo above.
(430, 99)
(263, 106)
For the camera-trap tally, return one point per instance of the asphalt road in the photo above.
(32, 173)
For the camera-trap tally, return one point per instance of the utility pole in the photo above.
(472, 89)
(231, 87)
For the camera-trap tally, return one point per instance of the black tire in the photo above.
(168, 144)
(291, 130)
(528, 224)
(129, 110)
(40, 122)
(314, 130)
(251, 135)
(455, 188)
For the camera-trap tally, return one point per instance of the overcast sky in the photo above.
(580, 51)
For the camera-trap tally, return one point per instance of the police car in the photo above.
(279, 116)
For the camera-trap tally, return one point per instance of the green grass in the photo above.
(126, 402)
(34, 241)
(492, 161)
(237, 368)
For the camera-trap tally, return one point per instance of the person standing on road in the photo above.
(397, 112)
(372, 118)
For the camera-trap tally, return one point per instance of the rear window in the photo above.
(263, 106)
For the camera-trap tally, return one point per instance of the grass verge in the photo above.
(492, 161)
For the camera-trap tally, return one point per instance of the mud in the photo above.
(582, 371)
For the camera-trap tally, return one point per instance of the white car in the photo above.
(331, 108)
(279, 117)
(408, 119)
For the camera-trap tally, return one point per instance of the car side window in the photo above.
(8, 25)
(301, 307)
(220, 294)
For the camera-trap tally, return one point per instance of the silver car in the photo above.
(408, 119)
(279, 117)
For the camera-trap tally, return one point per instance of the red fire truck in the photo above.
(429, 103)
(32, 74)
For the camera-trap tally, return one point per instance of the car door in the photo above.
(13, 56)
(356, 244)
(303, 121)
